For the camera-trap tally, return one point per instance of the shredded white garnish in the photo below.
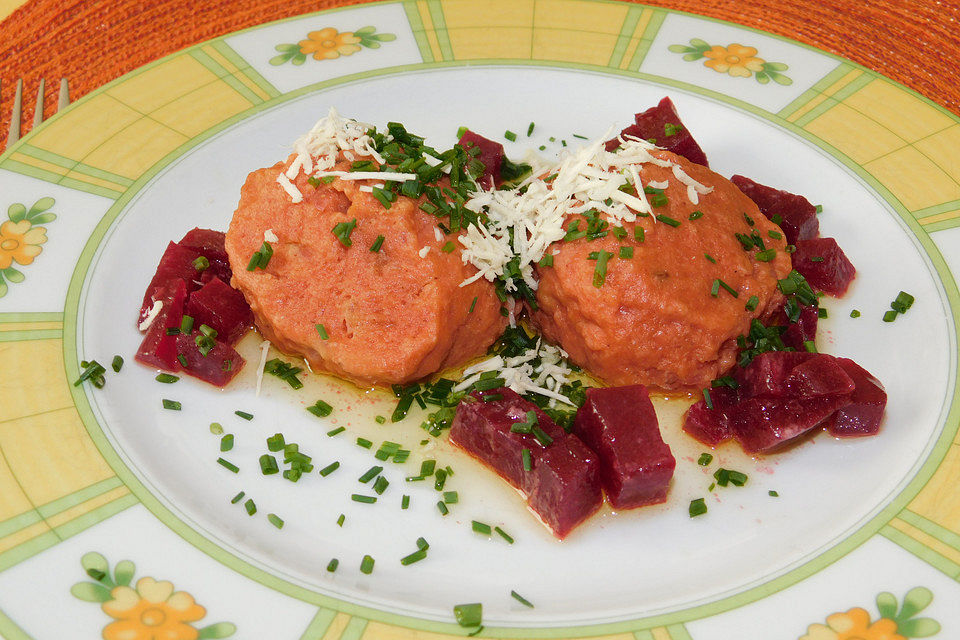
(290, 188)
(151, 315)
(520, 374)
(423, 252)
(264, 348)
(270, 236)
(366, 175)
(438, 234)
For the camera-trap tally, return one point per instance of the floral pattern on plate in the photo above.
(855, 624)
(734, 59)
(21, 237)
(329, 44)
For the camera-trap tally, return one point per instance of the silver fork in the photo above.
(14, 131)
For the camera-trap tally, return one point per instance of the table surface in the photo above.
(92, 42)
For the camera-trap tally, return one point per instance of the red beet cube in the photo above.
(864, 411)
(221, 307)
(159, 349)
(767, 374)
(798, 218)
(821, 375)
(210, 244)
(620, 424)
(218, 367)
(712, 426)
(763, 424)
(824, 264)
(491, 155)
(804, 329)
(175, 264)
(563, 485)
(661, 125)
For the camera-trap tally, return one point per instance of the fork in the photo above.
(14, 131)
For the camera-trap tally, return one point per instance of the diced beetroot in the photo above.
(158, 349)
(763, 424)
(662, 125)
(620, 424)
(712, 426)
(798, 217)
(824, 264)
(221, 307)
(804, 329)
(767, 375)
(218, 367)
(563, 485)
(491, 155)
(175, 264)
(864, 412)
(210, 244)
(821, 375)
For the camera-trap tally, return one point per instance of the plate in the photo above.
(115, 511)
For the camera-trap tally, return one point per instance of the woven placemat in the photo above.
(912, 41)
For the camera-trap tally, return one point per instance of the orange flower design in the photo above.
(329, 43)
(853, 625)
(20, 242)
(152, 611)
(735, 59)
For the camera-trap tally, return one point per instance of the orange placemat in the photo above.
(912, 41)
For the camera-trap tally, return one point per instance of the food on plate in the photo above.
(556, 472)
(365, 286)
(670, 309)
(661, 125)
(824, 265)
(619, 423)
(190, 316)
(794, 214)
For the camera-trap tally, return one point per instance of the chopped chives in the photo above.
(93, 371)
(440, 479)
(717, 284)
(766, 255)
(442, 507)
(810, 346)
(226, 442)
(715, 288)
(818, 208)
(201, 263)
(503, 534)
(322, 331)
(729, 476)
(773, 494)
(821, 313)
(542, 436)
(525, 458)
(448, 247)
(451, 497)
(330, 468)
(752, 303)
(903, 302)
(275, 520)
(117, 364)
(229, 466)
(380, 420)
(332, 565)
(530, 129)
(705, 459)
(250, 506)
(366, 565)
(186, 325)
(510, 135)
(626, 252)
(244, 415)
(216, 428)
(468, 615)
(696, 215)
(546, 260)
(519, 598)
(405, 501)
(341, 519)
(375, 247)
(172, 405)
(342, 230)
(237, 498)
(427, 467)
(638, 233)
(320, 409)
(480, 527)
(182, 359)
(328, 179)
(363, 442)
(665, 219)
(370, 474)
(364, 499)
(166, 378)
(776, 235)
(416, 556)
(710, 258)
(268, 465)
(334, 432)
(707, 399)
(855, 314)
(697, 507)
(600, 271)
(473, 304)
(890, 316)
(275, 442)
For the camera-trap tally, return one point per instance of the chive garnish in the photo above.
(229, 466)
(117, 364)
(510, 135)
(810, 346)
(226, 442)
(818, 208)
(250, 506)
(201, 263)
(341, 519)
(172, 405)
(275, 520)
(448, 247)
(752, 303)
(370, 474)
(451, 497)
(530, 129)
(375, 247)
(276, 442)
(480, 527)
(705, 459)
(363, 442)
(237, 498)
(93, 371)
(380, 485)
(638, 233)
(468, 615)
(366, 565)
(707, 399)
(166, 378)
(216, 428)
(855, 314)
(546, 260)
(364, 499)
(244, 415)
(626, 252)
(330, 468)
(773, 494)
(890, 316)
(766, 255)
(525, 459)
(322, 331)
(710, 258)
(519, 598)
(320, 409)
(416, 556)
(821, 313)
(600, 271)
(342, 230)
(903, 302)
(666, 220)
(503, 534)
(697, 507)
(696, 215)
(268, 465)
(332, 565)
(442, 508)
(776, 235)
(729, 476)
(336, 431)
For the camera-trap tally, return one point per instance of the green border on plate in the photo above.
(153, 504)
